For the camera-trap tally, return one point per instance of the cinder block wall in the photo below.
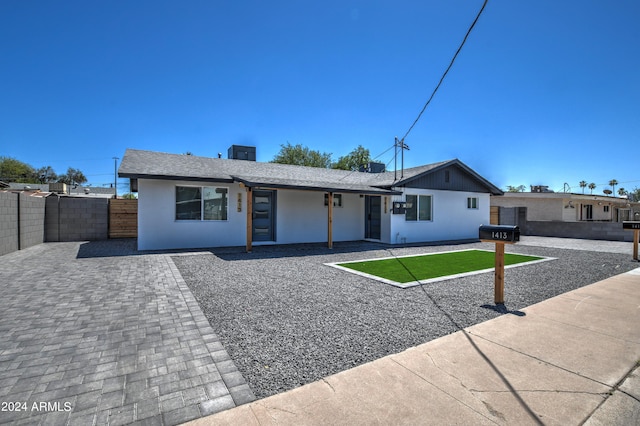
(51, 217)
(77, 219)
(8, 222)
(31, 220)
(23, 214)
(610, 231)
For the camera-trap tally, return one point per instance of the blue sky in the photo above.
(543, 92)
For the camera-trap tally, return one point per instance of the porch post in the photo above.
(330, 220)
(249, 219)
(499, 274)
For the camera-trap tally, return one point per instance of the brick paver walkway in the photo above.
(89, 336)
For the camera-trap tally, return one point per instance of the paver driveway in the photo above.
(88, 336)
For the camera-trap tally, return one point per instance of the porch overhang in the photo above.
(302, 185)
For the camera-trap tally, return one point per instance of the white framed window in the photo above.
(419, 208)
(337, 200)
(606, 209)
(201, 203)
(472, 202)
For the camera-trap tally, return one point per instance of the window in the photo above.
(337, 200)
(201, 203)
(606, 209)
(418, 208)
(188, 201)
(472, 202)
(214, 203)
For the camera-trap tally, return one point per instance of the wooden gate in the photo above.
(494, 215)
(123, 218)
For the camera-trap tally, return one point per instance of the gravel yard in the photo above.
(286, 319)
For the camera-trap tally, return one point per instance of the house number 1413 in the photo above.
(499, 235)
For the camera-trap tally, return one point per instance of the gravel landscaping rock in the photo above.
(286, 319)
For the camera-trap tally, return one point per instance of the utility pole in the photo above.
(395, 160)
(402, 147)
(115, 176)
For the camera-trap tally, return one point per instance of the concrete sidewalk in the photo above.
(565, 361)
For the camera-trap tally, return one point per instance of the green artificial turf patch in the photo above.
(429, 266)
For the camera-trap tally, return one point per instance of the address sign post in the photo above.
(633, 225)
(501, 235)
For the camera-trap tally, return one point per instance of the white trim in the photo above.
(477, 203)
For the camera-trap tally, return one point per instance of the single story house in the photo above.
(569, 207)
(186, 201)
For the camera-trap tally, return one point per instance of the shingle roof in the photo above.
(157, 165)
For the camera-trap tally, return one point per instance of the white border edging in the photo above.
(337, 265)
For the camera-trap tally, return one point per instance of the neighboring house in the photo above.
(28, 187)
(90, 191)
(186, 201)
(568, 207)
(63, 188)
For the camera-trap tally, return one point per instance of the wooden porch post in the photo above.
(249, 219)
(330, 220)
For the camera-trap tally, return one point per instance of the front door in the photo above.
(588, 211)
(264, 208)
(372, 216)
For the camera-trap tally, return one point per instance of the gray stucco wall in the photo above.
(21, 221)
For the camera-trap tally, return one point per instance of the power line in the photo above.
(446, 71)
(372, 159)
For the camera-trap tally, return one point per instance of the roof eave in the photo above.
(174, 177)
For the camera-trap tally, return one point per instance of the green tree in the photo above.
(46, 174)
(592, 186)
(354, 160)
(583, 185)
(622, 192)
(12, 170)
(302, 156)
(613, 184)
(519, 188)
(72, 177)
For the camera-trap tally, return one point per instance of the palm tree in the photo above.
(583, 185)
(613, 184)
(592, 186)
(622, 192)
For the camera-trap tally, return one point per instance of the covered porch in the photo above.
(281, 211)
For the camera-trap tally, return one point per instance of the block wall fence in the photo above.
(21, 221)
(26, 220)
